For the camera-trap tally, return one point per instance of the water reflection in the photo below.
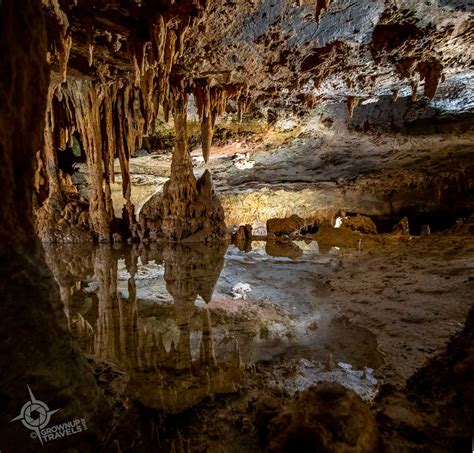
(166, 316)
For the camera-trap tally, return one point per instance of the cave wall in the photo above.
(39, 351)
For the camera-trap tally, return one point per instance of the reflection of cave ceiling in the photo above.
(277, 48)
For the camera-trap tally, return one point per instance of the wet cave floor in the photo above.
(194, 344)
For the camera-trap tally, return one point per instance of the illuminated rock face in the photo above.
(290, 225)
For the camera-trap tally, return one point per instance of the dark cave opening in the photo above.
(69, 157)
(437, 221)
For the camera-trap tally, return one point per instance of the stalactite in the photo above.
(89, 26)
(352, 103)
(158, 39)
(321, 5)
(108, 132)
(242, 104)
(87, 100)
(431, 73)
(414, 89)
(170, 50)
(48, 214)
(146, 86)
(395, 95)
(211, 101)
(59, 35)
(125, 142)
(202, 98)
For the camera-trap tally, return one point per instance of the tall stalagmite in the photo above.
(190, 209)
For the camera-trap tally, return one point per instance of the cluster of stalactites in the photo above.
(152, 58)
(153, 62)
(430, 70)
(112, 117)
(211, 101)
(110, 120)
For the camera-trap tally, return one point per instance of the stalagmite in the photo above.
(191, 211)
(187, 209)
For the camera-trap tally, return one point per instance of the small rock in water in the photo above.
(240, 290)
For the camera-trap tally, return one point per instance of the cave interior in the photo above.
(237, 225)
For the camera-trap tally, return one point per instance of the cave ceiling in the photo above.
(276, 51)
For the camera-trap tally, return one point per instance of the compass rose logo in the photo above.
(35, 415)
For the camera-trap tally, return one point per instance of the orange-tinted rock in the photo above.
(360, 223)
(402, 227)
(290, 225)
(244, 233)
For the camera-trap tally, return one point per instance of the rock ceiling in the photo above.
(302, 51)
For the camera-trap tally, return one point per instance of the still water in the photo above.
(176, 324)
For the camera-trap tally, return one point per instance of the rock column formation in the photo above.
(189, 208)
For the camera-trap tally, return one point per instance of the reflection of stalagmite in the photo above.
(163, 367)
(117, 331)
(208, 356)
(192, 271)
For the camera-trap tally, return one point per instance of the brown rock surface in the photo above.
(402, 228)
(285, 249)
(289, 225)
(38, 352)
(324, 418)
(360, 223)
